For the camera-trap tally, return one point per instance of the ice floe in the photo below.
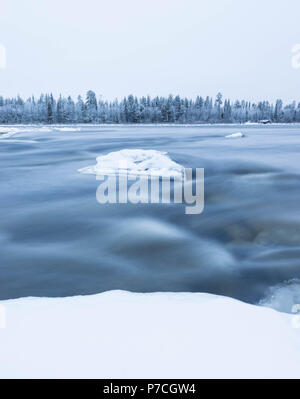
(68, 129)
(119, 334)
(135, 162)
(235, 135)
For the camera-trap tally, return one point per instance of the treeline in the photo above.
(172, 109)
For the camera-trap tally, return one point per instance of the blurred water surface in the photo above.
(57, 240)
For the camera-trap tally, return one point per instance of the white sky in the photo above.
(118, 47)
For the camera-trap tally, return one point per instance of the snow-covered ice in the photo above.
(8, 132)
(68, 129)
(135, 162)
(283, 296)
(235, 135)
(162, 335)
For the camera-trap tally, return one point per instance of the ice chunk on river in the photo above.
(135, 162)
(68, 129)
(235, 135)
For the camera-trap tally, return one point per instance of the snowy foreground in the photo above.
(123, 335)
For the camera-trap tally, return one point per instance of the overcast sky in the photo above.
(155, 47)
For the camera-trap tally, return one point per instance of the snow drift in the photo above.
(135, 162)
(124, 335)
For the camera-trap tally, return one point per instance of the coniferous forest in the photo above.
(173, 109)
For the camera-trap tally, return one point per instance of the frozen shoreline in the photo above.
(54, 126)
(10, 130)
(119, 334)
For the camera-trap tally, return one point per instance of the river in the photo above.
(57, 240)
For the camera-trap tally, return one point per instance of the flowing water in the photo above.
(57, 240)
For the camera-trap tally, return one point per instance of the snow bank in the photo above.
(125, 335)
(235, 135)
(135, 162)
(6, 132)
